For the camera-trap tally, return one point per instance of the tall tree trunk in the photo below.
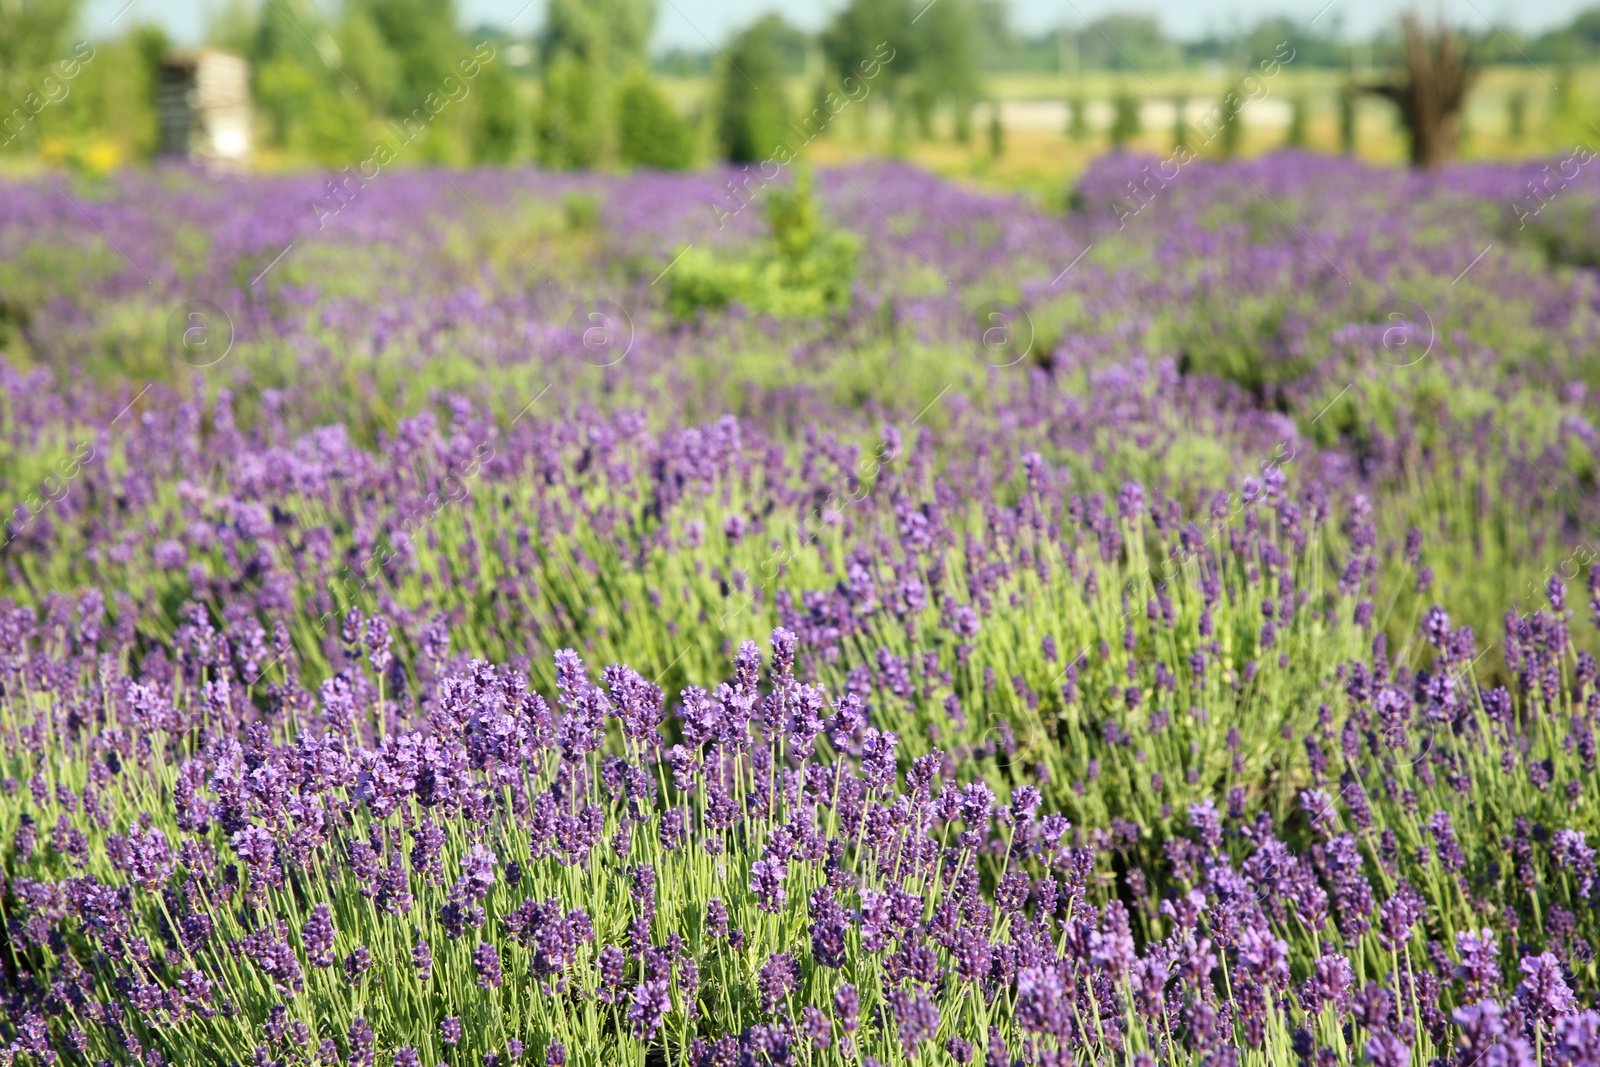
(1431, 91)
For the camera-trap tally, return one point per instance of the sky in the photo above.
(691, 24)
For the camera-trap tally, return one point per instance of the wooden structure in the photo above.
(204, 101)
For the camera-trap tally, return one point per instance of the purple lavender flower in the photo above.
(357, 963)
(318, 934)
(1479, 967)
(1112, 945)
(814, 1024)
(1042, 1007)
(478, 865)
(778, 978)
(362, 1043)
(847, 1007)
(486, 961)
(916, 1018)
(766, 882)
(1544, 991)
(450, 1030)
(1481, 1026)
(651, 1002)
(422, 960)
(716, 918)
(1387, 1050)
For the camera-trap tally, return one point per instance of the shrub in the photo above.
(805, 270)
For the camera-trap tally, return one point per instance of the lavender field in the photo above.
(501, 617)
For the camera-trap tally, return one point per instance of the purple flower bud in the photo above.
(486, 960)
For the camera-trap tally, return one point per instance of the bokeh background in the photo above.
(1018, 95)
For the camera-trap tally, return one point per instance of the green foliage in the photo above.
(569, 128)
(649, 131)
(1347, 122)
(368, 59)
(33, 35)
(926, 56)
(805, 270)
(587, 46)
(310, 117)
(312, 110)
(1125, 124)
(614, 33)
(1231, 134)
(1126, 42)
(1299, 121)
(858, 29)
(752, 113)
(1077, 119)
(581, 211)
(425, 40)
(106, 113)
(945, 45)
(1180, 126)
(498, 118)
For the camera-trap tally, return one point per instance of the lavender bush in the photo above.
(1208, 681)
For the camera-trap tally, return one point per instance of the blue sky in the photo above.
(689, 23)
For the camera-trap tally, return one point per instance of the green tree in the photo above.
(649, 131)
(311, 106)
(1077, 119)
(232, 26)
(425, 40)
(33, 35)
(569, 130)
(946, 45)
(1231, 135)
(858, 34)
(1299, 121)
(587, 47)
(114, 97)
(752, 112)
(1347, 121)
(1127, 42)
(1125, 124)
(924, 56)
(365, 55)
(497, 117)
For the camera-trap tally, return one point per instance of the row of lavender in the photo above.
(1288, 274)
(1362, 329)
(1104, 661)
(205, 871)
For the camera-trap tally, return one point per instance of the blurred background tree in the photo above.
(1125, 121)
(587, 48)
(947, 45)
(1430, 89)
(33, 35)
(498, 114)
(649, 131)
(313, 107)
(753, 114)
